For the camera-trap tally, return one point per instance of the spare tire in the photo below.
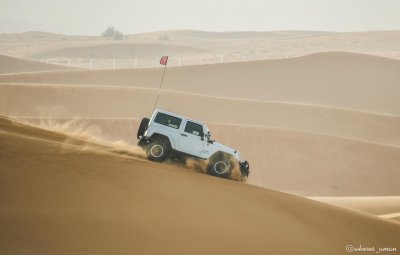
(144, 124)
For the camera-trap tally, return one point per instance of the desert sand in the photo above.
(324, 126)
(64, 195)
(385, 207)
(309, 133)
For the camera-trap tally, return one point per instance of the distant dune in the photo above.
(124, 51)
(63, 194)
(16, 65)
(280, 44)
(191, 45)
(231, 35)
(327, 79)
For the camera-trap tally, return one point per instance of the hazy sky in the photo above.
(133, 16)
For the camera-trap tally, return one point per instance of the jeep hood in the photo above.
(224, 148)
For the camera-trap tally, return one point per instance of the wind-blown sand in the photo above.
(65, 195)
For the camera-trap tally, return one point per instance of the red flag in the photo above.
(164, 60)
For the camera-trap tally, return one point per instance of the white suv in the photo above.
(169, 135)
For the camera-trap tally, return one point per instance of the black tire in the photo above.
(221, 165)
(158, 150)
(144, 124)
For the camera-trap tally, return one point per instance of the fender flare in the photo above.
(220, 155)
(155, 136)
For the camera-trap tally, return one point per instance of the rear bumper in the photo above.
(244, 168)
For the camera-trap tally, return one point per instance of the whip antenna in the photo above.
(163, 61)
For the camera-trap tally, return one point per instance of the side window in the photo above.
(168, 120)
(193, 128)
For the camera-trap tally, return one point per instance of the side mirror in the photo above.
(202, 135)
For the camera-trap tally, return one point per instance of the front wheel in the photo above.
(220, 165)
(158, 151)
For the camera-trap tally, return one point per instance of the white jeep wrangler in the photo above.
(169, 135)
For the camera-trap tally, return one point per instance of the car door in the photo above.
(190, 139)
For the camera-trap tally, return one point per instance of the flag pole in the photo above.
(163, 61)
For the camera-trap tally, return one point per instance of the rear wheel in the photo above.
(158, 150)
(220, 165)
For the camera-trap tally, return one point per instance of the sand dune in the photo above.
(99, 201)
(325, 126)
(15, 65)
(307, 164)
(319, 138)
(336, 79)
(338, 152)
(285, 160)
(385, 207)
(83, 101)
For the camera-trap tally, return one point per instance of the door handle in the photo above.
(183, 135)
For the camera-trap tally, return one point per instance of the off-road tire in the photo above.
(158, 150)
(144, 124)
(221, 165)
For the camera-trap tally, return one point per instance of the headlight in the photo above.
(237, 155)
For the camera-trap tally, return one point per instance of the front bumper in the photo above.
(244, 168)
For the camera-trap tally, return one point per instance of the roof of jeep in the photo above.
(177, 115)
